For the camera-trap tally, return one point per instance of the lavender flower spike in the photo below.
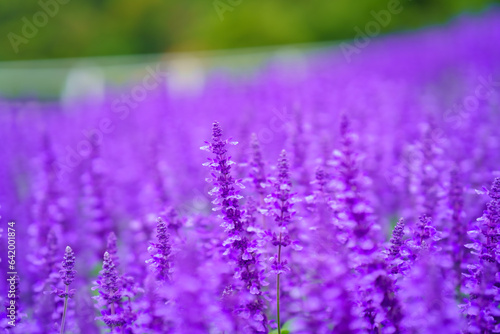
(397, 237)
(281, 204)
(68, 276)
(68, 264)
(240, 247)
(110, 294)
(395, 261)
(160, 252)
(483, 279)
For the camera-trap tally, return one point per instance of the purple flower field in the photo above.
(329, 196)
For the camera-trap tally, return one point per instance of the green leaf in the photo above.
(283, 331)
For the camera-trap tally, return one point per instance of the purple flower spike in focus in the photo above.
(68, 264)
(239, 245)
(281, 203)
(67, 276)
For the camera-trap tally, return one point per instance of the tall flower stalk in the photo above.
(281, 208)
(359, 234)
(161, 262)
(240, 246)
(395, 259)
(67, 276)
(110, 294)
(483, 280)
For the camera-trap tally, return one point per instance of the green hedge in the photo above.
(106, 27)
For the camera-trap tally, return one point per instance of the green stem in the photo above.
(65, 308)
(112, 307)
(278, 288)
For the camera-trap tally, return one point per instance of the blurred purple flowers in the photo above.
(368, 221)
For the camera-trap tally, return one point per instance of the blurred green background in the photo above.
(110, 27)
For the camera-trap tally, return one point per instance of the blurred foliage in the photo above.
(108, 27)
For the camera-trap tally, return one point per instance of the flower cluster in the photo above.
(116, 313)
(160, 261)
(482, 277)
(348, 207)
(281, 202)
(240, 246)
